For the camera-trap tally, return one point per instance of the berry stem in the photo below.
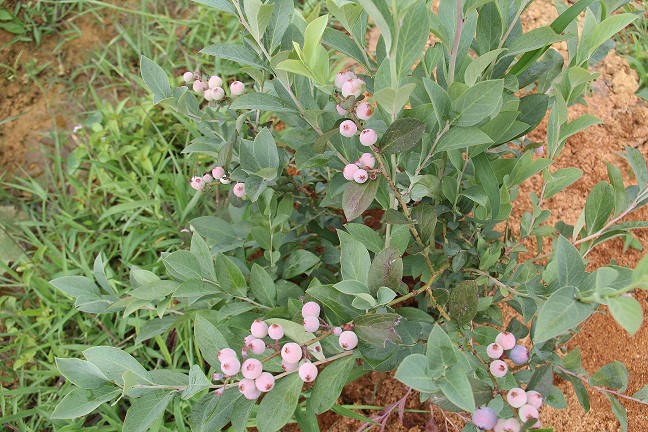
(598, 388)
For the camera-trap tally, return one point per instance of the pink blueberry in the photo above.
(259, 329)
(311, 323)
(215, 81)
(364, 111)
(257, 346)
(353, 87)
(217, 94)
(248, 339)
(218, 172)
(230, 366)
(252, 394)
(508, 425)
(289, 367)
(246, 385)
(188, 77)
(291, 352)
(506, 340)
(239, 190)
(341, 111)
(308, 372)
(516, 397)
(484, 418)
(348, 340)
(360, 176)
(208, 94)
(494, 351)
(367, 160)
(519, 354)
(199, 86)
(207, 178)
(275, 331)
(534, 398)
(217, 376)
(528, 412)
(265, 382)
(337, 331)
(311, 309)
(219, 392)
(349, 170)
(226, 353)
(197, 183)
(348, 128)
(237, 88)
(498, 368)
(343, 77)
(368, 137)
(251, 368)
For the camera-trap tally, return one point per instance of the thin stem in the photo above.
(498, 282)
(457, 38)
(598, 388)
(433, 278)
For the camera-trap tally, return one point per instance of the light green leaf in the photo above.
(80, 402)
(612, 375)
(261, 102)
(456, 387)
(75, 286)
(479, 65)
(146, 410)
(278, 406)
(113, 362)
(627, 312)
(230, 276)
(560, 313)
(155, 79)
(413, 372)
(462, 137)
(402, 135)
(392, 100)
(354, 259)
(330, 383)
(256, 157)
(599, 206)
(182, 265)
(209, 340)
(560, 180)
(235, 52)
(262, 286)
(81, 373)
(478, 102)
(534, 39)
(197, 382)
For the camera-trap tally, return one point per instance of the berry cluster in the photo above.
(526, 402)
(361, 170)
(217, 175)
(212, 88)
(347, 339)
(505, 341)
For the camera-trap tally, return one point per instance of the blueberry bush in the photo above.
(364, 164)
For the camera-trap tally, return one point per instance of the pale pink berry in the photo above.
(484, 418)
(310, 309)
(360, 176)
(265, 382)
(217, 94)
(226, 353)
(341, 110)
(368, 137)
(364, 111)
(508, 425)
(248, 339)
(199, 86)
(217, 376)
(498, 368)
(230, 366)
(291, 352)
(337, 331)
(506, 340)
(251, 368)
(494, 351)
(343, 77)
(349, 170)
(188, 77)
(219, 392)
(528, 412)
(367, 161)
(197, 183)
(516, 397)
(246, 385)
(237, 88)
(348, 340)
(353, 87)
(348, 128)
(308, 372)
(257, 346)
(239, 190)
(215, 81)
(207, 178)
(311, 324)
(289, 367)
(534, 398)
(218, 172)
(252, 394)
(208, 95)
(275, 331)
(259, 329)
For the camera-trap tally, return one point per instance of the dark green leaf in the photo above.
(463, 302)
(330, 383)
(401, 136)
(357, 198)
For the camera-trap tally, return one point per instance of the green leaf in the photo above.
(203, 255)
(560, 313)
(354, 259)
(182, 265)
(442, 352)
(312, 38)
(402, 135)
(209, 340)
(599, 206)
(278, 406)
(330, 383)
(344, 44)
(386, 270)
(219, 5)
(478, 102)
(455, 385)
(541, 380)
(258, 16)
(299, 262)
(240, 54)
(75, 286)
(212, 413)
(146, 410)
(377, 329)
(486, 175)
(154, 327)
(613, 375)
(214, 228)
(261, 156)
(113, 362)
(413, 372)
(537, 38)
(261, 102)
(357, 198)
(463, 302)
(155, 79)
(368, 237)
(262, 286)
(462, 137)
(570, 266)
(412, 37)
(197, 382)
(81, 373)
(560, 180)
(230, 276)
(619, 412)
(80, 402)
(296, 332)
(479, 65)
(638, 165)
(155, 290)
(426, 221)
(337, 306)
(627, 312)
(392, 100)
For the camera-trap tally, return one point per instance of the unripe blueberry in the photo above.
(337, 331)
(311, 323)
(360, 176)
(310, 309)
(252, 394)
(239, 190)
(349, 170)
(197, 183)
(199, 86)
(494, 351)
(364, 111)
(230, 366)
(218, 172)
(275, 331)
(368, 137)
(188, 77)
(217, 376)
(226, 180)
(367, 160)
(246, 385)
(219, 392)
(353, 87)
(207, 178)
(508, 425)
(498, 368)
(291, 352)
(215, 81)
(484, 418)
(528, 412)
(506, 340)
(289, 367)
(308, 372)
(226, 353)
(248, 339)
(348, 340)
(343, 77)
(348, 128)
(259, 329)
(265, 382)
(516, 397)
(251, 368)
(519, 354)
(534, 398)
(341, 111)
(237, 88)
(217, 94)
(208, 94)
(257, 346)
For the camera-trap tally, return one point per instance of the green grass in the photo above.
(632, 43)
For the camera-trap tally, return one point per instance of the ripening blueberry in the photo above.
(494, 351)
(360, 176)
(498, 368)
(341, 111)
(226, 180)
(218, 172)
(308, 372)
(217, 94)
(516, 397)
(207, 178)
(353, 87)
(188, 77)
(348, 340)
(291, 352)
(199, 86)
(289, 367)
(226, 353)
(367, 160)
(343, 77)
(257, 346)
(528, 412)
(197, 183)
(219, 392)
(251, 368)
(364, 111)
(508, 425)
(349, 170)
(506, 340)
(311, 323)
(246, 385)
(259, 329)
(534, 398)
(265, 382)
(519, 354)
(337, 331)
(230, 366)
(248, 339)
(368, 137)
(484, 418)
(275, 331)
(215, 81)
(252, 394)
(208, 94)
(239, 190)
(348, 128)
(310, 309)
(237, 88)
